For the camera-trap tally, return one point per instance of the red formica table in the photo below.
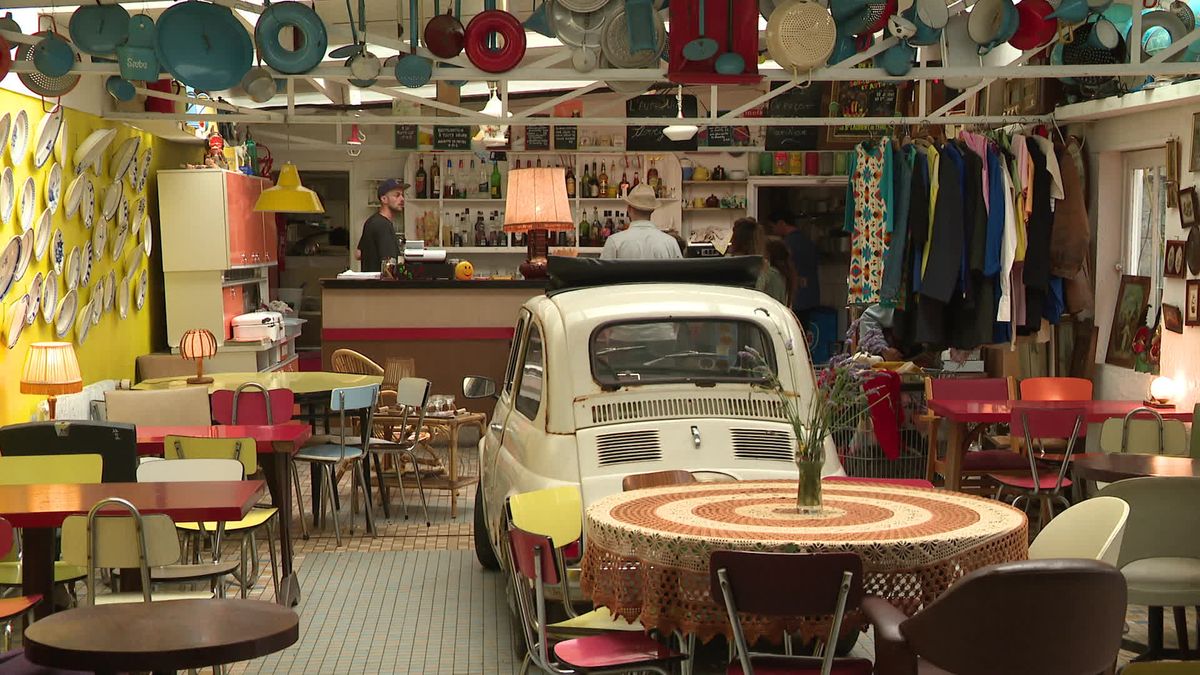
(276, 444)
(41, 508)
(959, 415)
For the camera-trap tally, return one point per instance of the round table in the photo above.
(300, 383)
(647, 551)
(160, 636)
(1115, 467)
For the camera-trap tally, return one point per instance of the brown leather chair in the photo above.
(637, 481)
(1034, 617)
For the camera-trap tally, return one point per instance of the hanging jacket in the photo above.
(1070, 242)
(944, 265)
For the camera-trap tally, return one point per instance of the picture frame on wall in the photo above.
(1189, 207)
(1172, 318)
(1175, 259)
(1129, 314)
(1195, 163)
(1192, 307)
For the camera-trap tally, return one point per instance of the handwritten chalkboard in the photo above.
(406, 137)
(566, 137)
(797, 102)
(451, 138)
(861, 98)
(537, 138)
(651, 137)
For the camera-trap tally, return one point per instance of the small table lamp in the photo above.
(537, 204)
(198, 344)
(51, 369)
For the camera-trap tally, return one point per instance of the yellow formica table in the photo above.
(299, 383)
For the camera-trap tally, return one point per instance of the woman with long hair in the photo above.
(780, 258)
(749, 238)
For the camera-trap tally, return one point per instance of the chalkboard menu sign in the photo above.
(797, 102)
(861, 98)
(537, 137)
(406, 137)
(566, 137)
(719, 136)
(651, 137)
(451, 138)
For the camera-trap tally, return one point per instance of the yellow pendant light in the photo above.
(289, 196)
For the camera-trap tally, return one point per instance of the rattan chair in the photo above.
(396, 369)
(350, 361)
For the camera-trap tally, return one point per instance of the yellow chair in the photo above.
(245, 451)
(557, 513)
(1143, 431)
(1162, 668)
(34, 469)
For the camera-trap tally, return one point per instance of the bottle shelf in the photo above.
(715, 182)
(692, 209)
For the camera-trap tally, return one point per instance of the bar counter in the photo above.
(450, 328)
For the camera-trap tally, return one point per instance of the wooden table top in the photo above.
(299, 383)
(1114, 467)
(266, 436)
(49, 504)
(161, 636)
(992, 412)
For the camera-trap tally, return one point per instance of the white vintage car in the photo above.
(615, 374)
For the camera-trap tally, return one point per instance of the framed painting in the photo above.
(1172, 318)
(1129, 314)
(1175, 259)
(1191, 315)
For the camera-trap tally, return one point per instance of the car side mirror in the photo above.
(478, 387)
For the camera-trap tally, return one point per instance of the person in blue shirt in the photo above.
(807, 293)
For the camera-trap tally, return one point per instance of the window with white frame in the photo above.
(1146, 230)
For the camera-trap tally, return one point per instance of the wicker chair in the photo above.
(350, 361)
(396, 369)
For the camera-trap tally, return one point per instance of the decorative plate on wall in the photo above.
(74, 269)
(8, 194)
(147, 238)
(5, 128)
(119, 243)
(113, 196)
(60, 149)
(14, 321)
(98, 302)
(91, 151)
(41, 235)
(49, 297)
(19, 142)
(58, 251)
(28, 203)
(74, 195)
(123, 215)
(84, 322)
(139, 297)
(8, 265)
(67, 309)
(85, 268)
(47, 134)
(88, 203)
(54, 187)
(99, 241)
(110, 290)
(34, 305)
(26, 255)
(124, 157)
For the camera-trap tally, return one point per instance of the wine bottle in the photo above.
(585, 230)
(422, 182)
(586, 185)
(652, 177)
(597, 227)
(463, 180)
(570, 183)
(623, 187)
(603, 180)
(495, 183)
(435, 180)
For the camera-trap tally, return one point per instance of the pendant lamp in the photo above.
(289, 196)
(680, 132)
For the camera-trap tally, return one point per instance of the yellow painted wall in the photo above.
(113, 345)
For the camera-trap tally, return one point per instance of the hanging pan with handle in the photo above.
(346, 51)
(508, 53)
(364, 66)
(413, 70)
(444, 34)
(40, 83)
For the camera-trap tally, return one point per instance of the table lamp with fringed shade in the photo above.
(51, 370)
(537, 204)
(198, 344)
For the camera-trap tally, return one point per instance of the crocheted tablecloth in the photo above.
(647, 551)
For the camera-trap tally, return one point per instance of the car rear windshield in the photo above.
(703, 351)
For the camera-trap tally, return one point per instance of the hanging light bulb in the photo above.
(680, 132)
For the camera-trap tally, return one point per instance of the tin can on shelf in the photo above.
(812, 163)
(841, 163)
(796, 163)
(766, 164)
(781, 164)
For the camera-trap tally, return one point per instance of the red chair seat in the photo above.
(1045, 481)
(10, 607)
(994, 460)
(765, 665)
(606, 651)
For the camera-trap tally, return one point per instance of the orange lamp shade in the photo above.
(51, 369)
(537, 200)
(197, 343)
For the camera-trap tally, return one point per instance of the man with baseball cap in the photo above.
(378, 240)
(642, 239)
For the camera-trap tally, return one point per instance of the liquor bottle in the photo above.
(596, 182)
(570, 183)
(495, 182)
(435, 180)
(422, 183)
(461, 181)
(597, 228)
(585, 187)
(585, 230)
(608, 222)
(652, 177)
(603, 181)
(485, 182)
(539, 161)
(623, 186)
(636, 180)
(480, 231)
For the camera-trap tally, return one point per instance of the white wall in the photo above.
(1106, 140)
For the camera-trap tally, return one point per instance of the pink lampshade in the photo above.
(537, 200)
(51, 369)
(197, 343)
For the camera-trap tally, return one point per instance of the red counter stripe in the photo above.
(415, 334)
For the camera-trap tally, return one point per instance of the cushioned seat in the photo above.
(612, 649)
(10, 573)
(156, 596)
(182, 573)
(765, 665)
(1163, 582)
(330, 452)
(256, 518)
(597, 620)
(994, 460)
(1045, 481)
(15, 606)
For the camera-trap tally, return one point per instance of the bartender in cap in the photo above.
(642, 239)
(378, 241)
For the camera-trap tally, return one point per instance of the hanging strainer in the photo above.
(800, 34)
(1081, 53)
(582, 6)
(40, 83)
(625, 86)
(618, 50)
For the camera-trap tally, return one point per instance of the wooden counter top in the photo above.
(402, 284)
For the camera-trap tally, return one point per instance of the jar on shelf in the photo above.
(796, 163)
(766, 164)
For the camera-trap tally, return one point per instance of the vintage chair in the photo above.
(1160, 553)
(533, 567)
(1008, 618)
(115, 442)
(977, 464)
(185, 406)
(1143, 431)
(789, 584)
(12, 608)
(1056, 389)
(1091, 529)
(411, 395)
(395, 369)
(350, 361)
(1036, 424)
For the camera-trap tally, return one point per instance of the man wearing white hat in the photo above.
(642, 239)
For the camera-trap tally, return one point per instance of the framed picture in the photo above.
(860, 98)
(1189, 208)
(1192, 315)
(1172, 318)
(1195, 164)
(1173, 173)
(1129, 314)
(1175, 259)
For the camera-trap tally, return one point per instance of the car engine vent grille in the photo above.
(668, 408)
(628, 446)
(767, 444)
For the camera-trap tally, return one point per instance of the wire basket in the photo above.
(858, 449)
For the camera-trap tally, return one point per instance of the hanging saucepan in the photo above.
(444, 34)
(1185, 13)
(99, 29)
(8, 23)
(959, 51)
(992, 22)
(203, 45)
(53, 56)
(507, 55)
(311, 37)
(859, 18)
(413, 70)
(137, 58)
(1035, 28)
(581, 32)
(259, 85)
(929, 17)
(898, 59)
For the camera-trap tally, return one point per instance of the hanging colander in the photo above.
(618, 50)
(800, 34)
(40, 83)
(1080, 53)
(870, 19)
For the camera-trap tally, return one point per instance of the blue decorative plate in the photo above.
(203, 46)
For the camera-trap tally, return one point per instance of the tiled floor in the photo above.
(413, 600)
